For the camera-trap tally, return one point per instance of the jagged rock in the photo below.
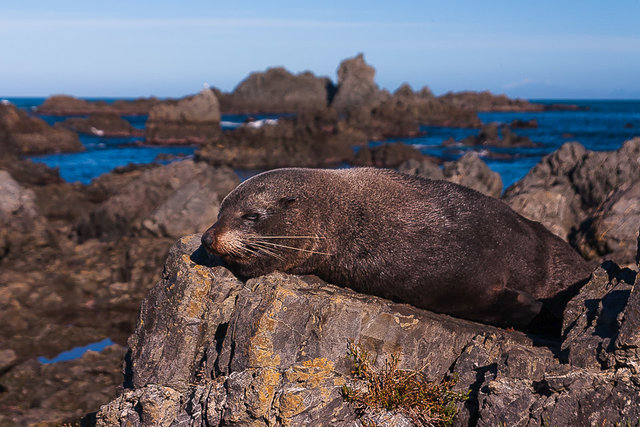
(472, 172)
(156, 203)
(592, 319)
(610, 230)
(100, 125)
(212, 350)
(191, 120)
(21, 134)
(356, 85)
(568, 186)
(278, 91)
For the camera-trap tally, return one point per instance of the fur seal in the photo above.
(433, 244)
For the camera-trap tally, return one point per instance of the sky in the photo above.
(542, 49)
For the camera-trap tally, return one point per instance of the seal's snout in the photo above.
(209, 239)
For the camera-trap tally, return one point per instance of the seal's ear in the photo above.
(286, 201)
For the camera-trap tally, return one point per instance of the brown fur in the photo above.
(432, 244)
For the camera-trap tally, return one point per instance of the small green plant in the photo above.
(406, 391)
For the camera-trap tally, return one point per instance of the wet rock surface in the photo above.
(212, 350)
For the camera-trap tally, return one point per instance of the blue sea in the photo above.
(597, 124)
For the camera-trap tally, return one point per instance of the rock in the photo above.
(278, 91)
(100, 125)
(611, 229)
(58, 393)
(590, 321)
(191, 120)
(163, 201)
(22, 135)
(568, 186)
(486, 101)
(356, 86)
(387, 155)
(212, 350)
(20, 221)
(307, 140)
(472, 172)
(469, 170)
(64, 105)
(493, 135)
(425, 168)
(523, 124)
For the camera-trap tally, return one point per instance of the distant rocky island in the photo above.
(196, 345)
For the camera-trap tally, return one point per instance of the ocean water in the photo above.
(598, 125)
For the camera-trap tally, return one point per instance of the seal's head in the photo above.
(266, 224)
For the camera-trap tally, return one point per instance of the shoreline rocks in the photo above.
(273, 350)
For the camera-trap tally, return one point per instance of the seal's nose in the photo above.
(208, 238)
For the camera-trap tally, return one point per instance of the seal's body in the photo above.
(432, 244)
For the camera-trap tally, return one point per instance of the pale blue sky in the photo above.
(541, 49)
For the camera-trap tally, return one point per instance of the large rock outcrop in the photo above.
(276, 90)
(573, 190)
(211, 350)
(21, 134)
(356, 86)
(191, 120)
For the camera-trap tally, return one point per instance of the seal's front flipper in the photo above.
(516, 308)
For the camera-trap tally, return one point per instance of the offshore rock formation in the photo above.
(307, 140)
(191, 120)
(100, 125)
(64, 105)
(278, 91)
(211, 350)
(22, 135)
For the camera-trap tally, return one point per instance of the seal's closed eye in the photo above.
(251, 216)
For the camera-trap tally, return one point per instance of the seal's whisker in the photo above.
(286, 237)
(264, 249)
(294, 248)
